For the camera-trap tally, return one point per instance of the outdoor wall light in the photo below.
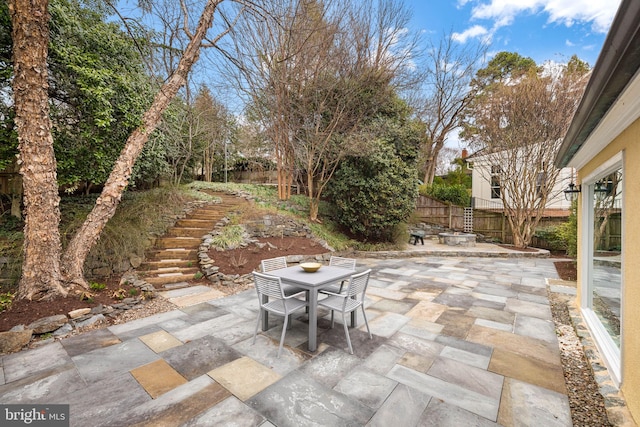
(572, 191)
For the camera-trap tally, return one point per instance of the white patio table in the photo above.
(312, 282)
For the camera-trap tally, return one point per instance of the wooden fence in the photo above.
(488, 221)
(436, 212)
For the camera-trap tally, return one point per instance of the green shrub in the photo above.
(94, 286)
(456, 194)
(6, 299)
(229, 238)
(373, 195)
(568, 232)
(553, 237)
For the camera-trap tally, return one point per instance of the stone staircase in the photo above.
(173, 261)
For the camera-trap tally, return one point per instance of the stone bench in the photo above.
(457, 239)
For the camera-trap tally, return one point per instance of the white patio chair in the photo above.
(349, 301)
(271, 287)
(273, 264)
(276, 264)
(336, 261)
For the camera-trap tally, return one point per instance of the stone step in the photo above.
(175, 285)
(167, 262)
(172, 253)
(188, 232)
(178, 242)
(174, 260)
(170, 278)
(168, 271)
(195, 223)
(206, 215)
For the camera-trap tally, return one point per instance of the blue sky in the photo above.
(541, 29)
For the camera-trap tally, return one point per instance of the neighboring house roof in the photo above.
(615, 68)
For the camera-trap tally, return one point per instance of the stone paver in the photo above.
(366, 387)
(188, 300)
(457, 340)
(160, 341)
(527, 369)
(314, 404)
(526, 404)
(244, 377)
(157, 378)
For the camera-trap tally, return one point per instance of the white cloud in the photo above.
(599, 13)
(473, 32)
(569, 43)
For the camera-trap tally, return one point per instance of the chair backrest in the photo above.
(273, 264)
(337, 261)
(358, 284)
(270, 286)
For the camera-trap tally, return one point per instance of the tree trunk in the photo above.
(88, 234)
(41, 263)
(313, 201)
(432, 159)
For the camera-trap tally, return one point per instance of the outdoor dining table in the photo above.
(312, 282)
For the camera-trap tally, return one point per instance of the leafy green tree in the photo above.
(505, 65)
(98, 91)
(8, 137)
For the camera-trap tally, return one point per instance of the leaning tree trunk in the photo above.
(41, 257)
(105, 207)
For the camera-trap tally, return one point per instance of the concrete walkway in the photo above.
(458, 340)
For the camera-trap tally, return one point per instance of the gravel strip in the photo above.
(586, 402)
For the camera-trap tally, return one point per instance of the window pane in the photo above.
(606, 280)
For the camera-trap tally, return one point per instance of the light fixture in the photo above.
(601, 190)
(572, 191)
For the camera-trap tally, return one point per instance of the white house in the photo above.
(486, 185)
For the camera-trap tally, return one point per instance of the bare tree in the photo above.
(215, 125)
(43, 276)
(516, 125)
(445, 93)
(308, 74)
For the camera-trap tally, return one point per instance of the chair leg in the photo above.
(365, 322)
(257, 326)
(284, 331)
(346, 332)
(331, 319)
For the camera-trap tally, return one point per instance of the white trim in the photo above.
(619, 117)
(605, 168)
(607, 348)
(610, 352)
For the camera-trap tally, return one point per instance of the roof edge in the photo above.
(617, 64)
